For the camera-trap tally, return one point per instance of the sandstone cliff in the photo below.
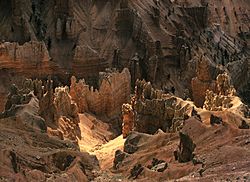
(158, 43)
(30, 59)
(114, 90)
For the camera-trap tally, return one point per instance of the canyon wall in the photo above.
(156, 40)
(221, 52)
(84, 38)
(30, 59)
(206, 75)
(156, 110)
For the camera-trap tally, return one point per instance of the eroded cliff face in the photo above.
(30, 59)
(172, 138)
(155, 110)
(29, 152)
(85, 59)
(159, 41)
(85, 38)
(114, 90)
(206, 74)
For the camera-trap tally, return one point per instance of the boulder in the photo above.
(184, 153)
(215, 120)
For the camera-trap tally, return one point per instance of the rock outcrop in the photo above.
(29, 59)
(186, 148)
(23, 108)
(66, 114)
(119, 157)
(206, 74)
(64, 38)
(156, 110)
(61, 113)
(215, 120)
(29, 155)
(128, 119)
(201, 152)
(158, 165)
(114, 90)
(54, 110)
(224, 98)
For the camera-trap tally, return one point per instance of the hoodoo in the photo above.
(124, 90)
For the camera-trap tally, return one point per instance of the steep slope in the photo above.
(219, 154)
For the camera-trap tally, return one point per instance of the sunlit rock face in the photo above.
(156, 110)
(29, 59)
(60, 113)
(206, 74)
(114, 90)
(66, 114)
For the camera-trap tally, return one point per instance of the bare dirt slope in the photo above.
(98, 140)
(29, 154)
(222, 153)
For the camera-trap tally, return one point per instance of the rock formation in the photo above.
(188, 54)
(193, 153)
(119, 157)
(215, 120)
(24, 108)
(114, 90)
(29, 155)
(58, 111)
(29, 59)
(131, 143)
(136, 171)
(224, 98)
(128, 119)
(158, 165)
(66, 114)
(33, 155)
(156, 110)
(61, 113)
(186, 148)
(64, 37)
(206, 75)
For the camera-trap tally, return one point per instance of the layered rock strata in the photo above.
(114, 90)
(224, 98)
(156, 110)
(206, 74)
(29, 59)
